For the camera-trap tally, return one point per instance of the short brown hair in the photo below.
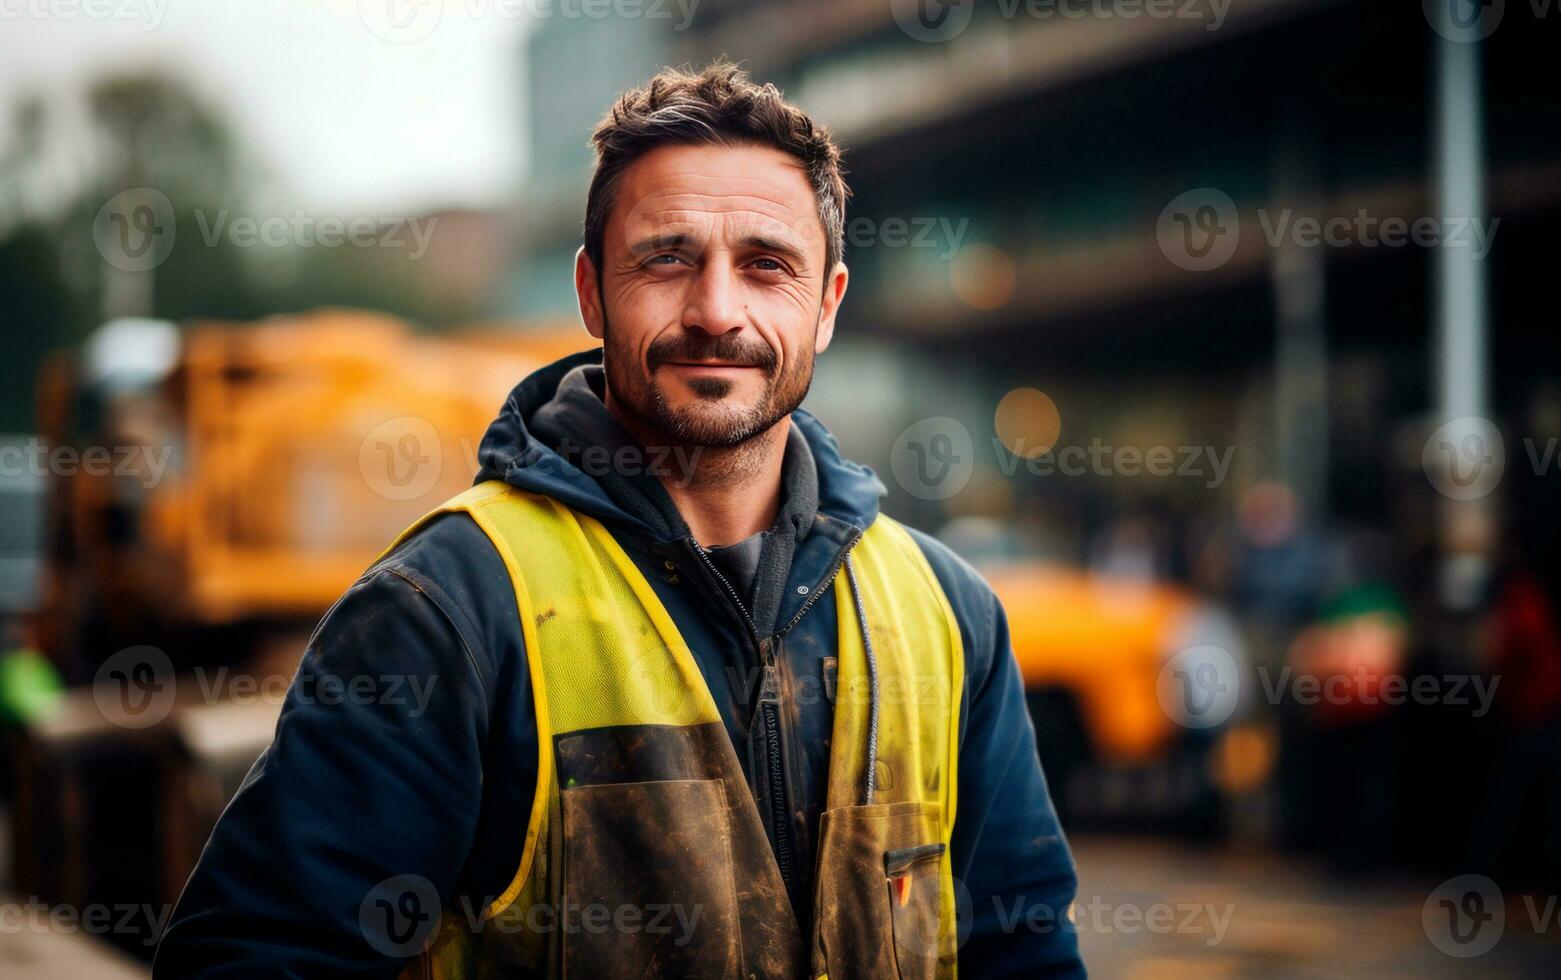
(716, 106)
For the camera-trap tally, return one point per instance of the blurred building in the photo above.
(1293, 235)
(1013, 170)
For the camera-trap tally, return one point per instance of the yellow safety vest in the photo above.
(645, 854)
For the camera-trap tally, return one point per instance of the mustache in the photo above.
(728, 348)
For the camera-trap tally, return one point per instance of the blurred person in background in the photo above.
(682, 660)
(1341, 744)
(1522, 800)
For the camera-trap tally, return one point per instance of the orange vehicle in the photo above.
(1135, 689)
(247, 474)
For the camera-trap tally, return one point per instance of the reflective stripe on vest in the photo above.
(645, 853)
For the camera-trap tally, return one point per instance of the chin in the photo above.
(708, 424)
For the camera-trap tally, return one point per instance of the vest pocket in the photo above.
(912, 881)
(877, 911)
(647, 881)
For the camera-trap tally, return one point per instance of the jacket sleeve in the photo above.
(1009, 849)
(1014, 874)
(349, 833)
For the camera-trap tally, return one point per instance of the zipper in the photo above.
(777, 775)
(769, 708)
(769, 717)
(753, 629)
(829, 579)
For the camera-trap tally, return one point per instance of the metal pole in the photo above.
(1462, 324)
(1460, 194)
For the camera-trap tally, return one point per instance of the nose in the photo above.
(715, 303)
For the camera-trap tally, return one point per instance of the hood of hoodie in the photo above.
(522, 448)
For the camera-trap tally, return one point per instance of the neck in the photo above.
(723, 493)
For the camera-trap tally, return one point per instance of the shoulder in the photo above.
(448, 571)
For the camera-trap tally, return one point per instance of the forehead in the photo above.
(716, 190)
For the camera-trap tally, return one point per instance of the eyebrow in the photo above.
(768, 244)
(657, 243)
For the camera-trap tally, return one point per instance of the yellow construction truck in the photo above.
(247, 473)
(211, 488)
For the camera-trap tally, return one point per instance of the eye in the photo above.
(663, 262)
(769, 265)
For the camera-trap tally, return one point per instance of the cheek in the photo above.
(790, 327)
(638, 312)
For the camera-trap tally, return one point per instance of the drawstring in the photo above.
(872, 683)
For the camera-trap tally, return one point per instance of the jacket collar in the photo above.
(551, 416)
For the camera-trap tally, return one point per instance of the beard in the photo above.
(707, 421)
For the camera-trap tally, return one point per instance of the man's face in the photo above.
(711, 301)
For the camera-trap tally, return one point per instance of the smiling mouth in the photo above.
(710, 366)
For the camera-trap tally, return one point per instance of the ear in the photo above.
(589, 294)
(834, 292)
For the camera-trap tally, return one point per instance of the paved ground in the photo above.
(1150, 909)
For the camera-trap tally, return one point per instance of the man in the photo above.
(696, 708)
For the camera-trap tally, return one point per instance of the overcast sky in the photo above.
(353, 110)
